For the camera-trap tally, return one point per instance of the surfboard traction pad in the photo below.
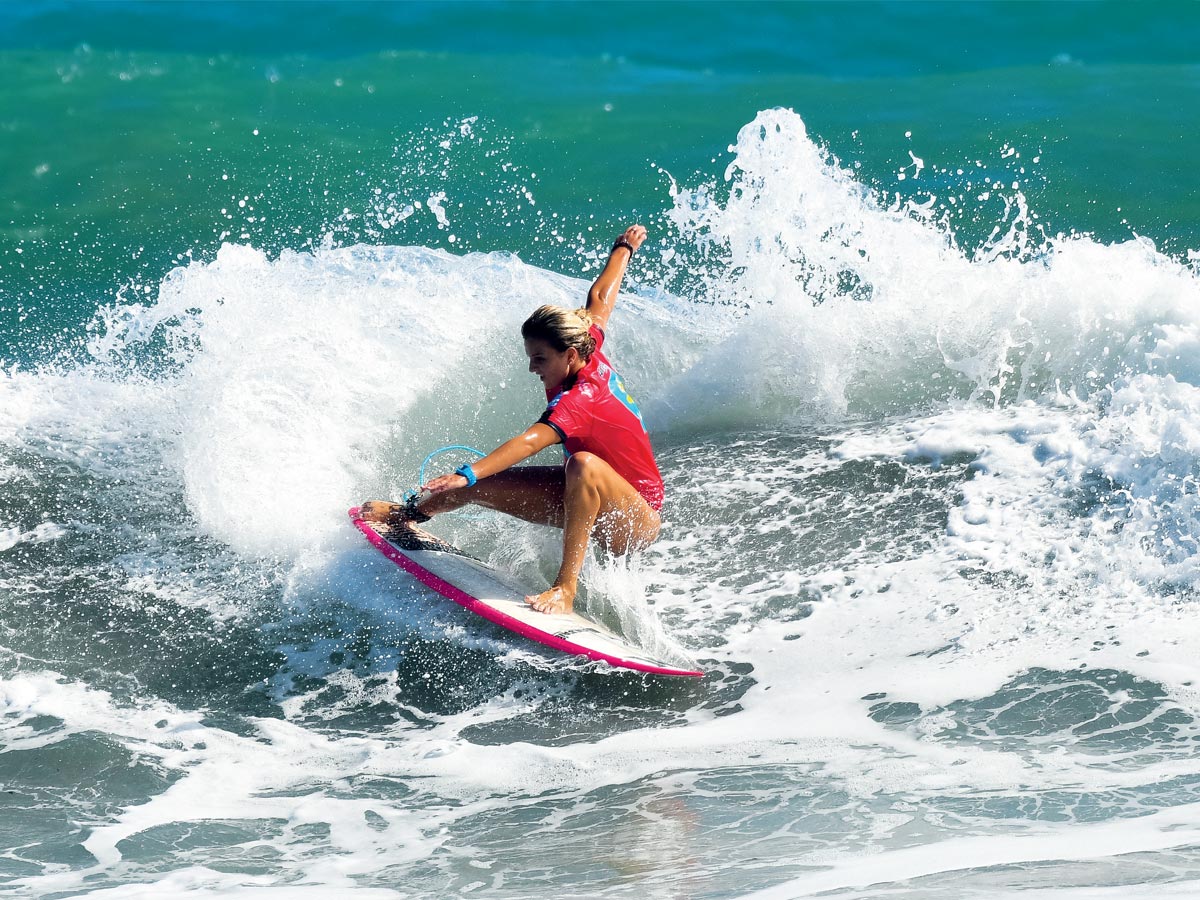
(406, 536)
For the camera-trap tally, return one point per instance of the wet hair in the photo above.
(561, 328)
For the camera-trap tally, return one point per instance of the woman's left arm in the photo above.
(603, 294)
(516, 449)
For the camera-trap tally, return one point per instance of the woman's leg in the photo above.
(585, 496)
(595, 499)
(532, 493)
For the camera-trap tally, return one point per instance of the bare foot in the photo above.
(379, 510)
(556, 601)
(398, 515)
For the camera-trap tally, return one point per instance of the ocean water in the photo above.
(917, 334)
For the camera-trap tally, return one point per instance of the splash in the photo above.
(855, 306)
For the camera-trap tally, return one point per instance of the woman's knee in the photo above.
(586, 466)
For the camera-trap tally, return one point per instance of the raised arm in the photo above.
(603, 295)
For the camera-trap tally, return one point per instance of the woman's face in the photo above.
(548, 364)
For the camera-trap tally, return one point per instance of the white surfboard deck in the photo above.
(493, 595)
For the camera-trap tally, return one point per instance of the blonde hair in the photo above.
(562, 329)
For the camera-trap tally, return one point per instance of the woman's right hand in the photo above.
(442, 483)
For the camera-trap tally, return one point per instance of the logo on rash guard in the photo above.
(617, 386)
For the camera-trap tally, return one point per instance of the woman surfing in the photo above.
(609, 486)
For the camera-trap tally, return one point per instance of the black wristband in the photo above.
(621, 242)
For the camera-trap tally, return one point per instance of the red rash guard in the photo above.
(593, 412)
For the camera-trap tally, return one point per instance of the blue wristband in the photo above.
(468, 473)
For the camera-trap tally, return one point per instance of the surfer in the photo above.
(609, 486)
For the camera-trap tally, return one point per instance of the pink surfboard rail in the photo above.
(499, 617)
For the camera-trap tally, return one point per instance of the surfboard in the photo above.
(496, 597)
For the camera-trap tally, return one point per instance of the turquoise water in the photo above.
(121, 151)
(916, 335)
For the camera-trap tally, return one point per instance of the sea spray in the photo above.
(855, 307)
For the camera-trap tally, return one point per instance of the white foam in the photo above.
(1159, 831)
(862, 306)
(46, 531)
(276, 774)
(195, 882)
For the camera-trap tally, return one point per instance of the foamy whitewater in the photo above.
(931, 529)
